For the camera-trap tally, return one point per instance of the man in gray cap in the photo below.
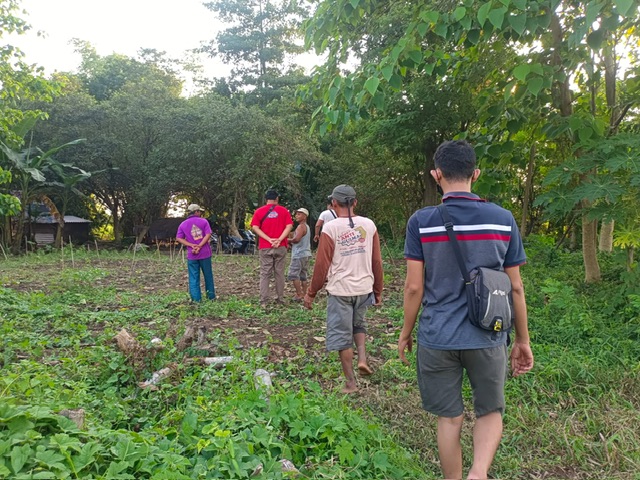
(194, 233)
(349, 260)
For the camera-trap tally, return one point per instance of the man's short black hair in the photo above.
(456, 159)
(271, 194)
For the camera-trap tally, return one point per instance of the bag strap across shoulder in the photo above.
(448, 225)
(273, 207)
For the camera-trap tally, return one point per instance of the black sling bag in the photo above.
(488, 291)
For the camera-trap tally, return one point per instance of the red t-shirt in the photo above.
(273, 225)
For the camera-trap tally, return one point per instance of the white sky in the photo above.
(115, 26)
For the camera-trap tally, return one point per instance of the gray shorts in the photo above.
(345, 318)
(298, 269)
(440, 379)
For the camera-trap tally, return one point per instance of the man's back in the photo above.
(272, 220)
(350, 272)
(489, 237)
(194, 230)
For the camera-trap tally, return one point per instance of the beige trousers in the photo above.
(272, 262)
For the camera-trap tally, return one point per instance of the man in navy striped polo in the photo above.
(448, 343)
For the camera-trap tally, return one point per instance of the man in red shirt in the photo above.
(272, 224)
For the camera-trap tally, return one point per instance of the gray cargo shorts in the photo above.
(345, 318)
(440, 379)
(298, 269)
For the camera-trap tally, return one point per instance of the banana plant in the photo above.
(28, 168)
(69, 176)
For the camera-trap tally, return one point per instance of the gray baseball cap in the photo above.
(343, 193)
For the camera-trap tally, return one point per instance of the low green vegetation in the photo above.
(575, 416)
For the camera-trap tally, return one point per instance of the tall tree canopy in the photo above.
(559, 87)
(260, 43)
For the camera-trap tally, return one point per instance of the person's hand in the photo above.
(308, 301)
(521, 358)
(196, 250)
(377, 301)
(275, 242)
(405, 342)
(316, 238)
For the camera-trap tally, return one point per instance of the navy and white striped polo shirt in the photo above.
(488, 237)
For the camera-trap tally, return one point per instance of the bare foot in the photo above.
(364, 369)
(350, 388)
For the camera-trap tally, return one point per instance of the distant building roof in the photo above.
(67, 219)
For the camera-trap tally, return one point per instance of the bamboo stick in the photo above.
(73, 263)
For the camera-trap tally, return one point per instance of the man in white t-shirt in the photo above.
(349, 260)
(325, 217)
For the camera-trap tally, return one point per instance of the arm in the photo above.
(301, 231)
(204, 241)
(285, 233)
(378, 274)
(316, 235)
(258, 231)
(413, 292)
(320, 269)
(186, 243)
(521, 354)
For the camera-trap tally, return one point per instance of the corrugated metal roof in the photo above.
(67, 219)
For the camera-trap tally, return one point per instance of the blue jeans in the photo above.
(194, 279)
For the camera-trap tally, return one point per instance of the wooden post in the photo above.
(73, 263)
(133, 262)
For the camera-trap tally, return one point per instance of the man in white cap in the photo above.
(194, 233)
(300, 254)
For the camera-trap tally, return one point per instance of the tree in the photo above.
(565, 41)
(18, 80)
(262, 38)
(232, 154)
(68, 178)
(124, 108)
(29, 167)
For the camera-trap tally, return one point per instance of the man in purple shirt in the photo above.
(194, 233)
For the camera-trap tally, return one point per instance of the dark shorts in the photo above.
(440, 379)
(345, 318)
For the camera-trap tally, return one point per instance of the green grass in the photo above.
(574, 416)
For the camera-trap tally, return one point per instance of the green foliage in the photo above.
(261, 38)
(201, 422)
(607, 174)
(18, 80)
(9, 205)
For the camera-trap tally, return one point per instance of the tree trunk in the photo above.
(630, 253)
(17, 241)
(573, 237)
(117, 235)
(589, 251)
(233, 217)
(430, 191)
(563, 101)
(606, 236)
(141, 234)
(528, 190)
